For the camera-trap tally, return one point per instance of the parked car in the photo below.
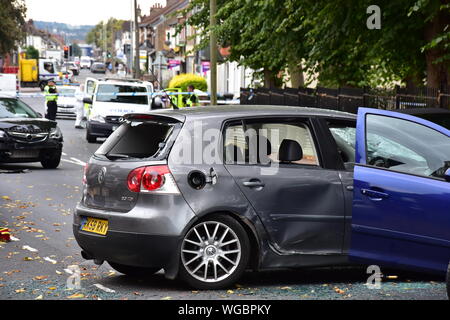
(98, 67)
(265, 188)
(72, 66)
(66, 101)
(26, 137)
(108, 106)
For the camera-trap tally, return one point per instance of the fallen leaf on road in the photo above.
(20, 290)
(11, 272)
(286, 288)
(137, 293)
(392, 277)
(6, 198)
(28, 259)
(40, 278)
(340, 291)
(52, 288)
(76, 296)
(167, 298)
(48, 199)
(50, 260)
(39, 298)
(230, 292)
(59, 272)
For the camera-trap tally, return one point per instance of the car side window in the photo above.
(260, 142)
(407, 147)
(344, 135)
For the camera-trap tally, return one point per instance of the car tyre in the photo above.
(51, 160)
(219, 259)
(90, 138)
(132, 271)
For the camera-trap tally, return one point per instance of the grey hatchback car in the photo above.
(207, 193)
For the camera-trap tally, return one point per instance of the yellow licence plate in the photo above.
(96, 226)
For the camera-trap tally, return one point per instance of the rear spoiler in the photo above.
(172, 117)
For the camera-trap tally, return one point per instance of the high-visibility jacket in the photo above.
(192, 101)
(50, 96)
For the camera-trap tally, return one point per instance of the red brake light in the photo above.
(151, 178)
(134, 180)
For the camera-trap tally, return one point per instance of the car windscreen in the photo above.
(142, 140)
(66, 91)
(110, 93)
(13, 108)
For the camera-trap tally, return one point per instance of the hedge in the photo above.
(184, 80)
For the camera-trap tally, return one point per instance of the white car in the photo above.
(111, 100)
(66, 101)
(85, 63)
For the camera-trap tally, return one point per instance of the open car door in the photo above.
(401, 201)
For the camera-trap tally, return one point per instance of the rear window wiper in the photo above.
(116, 156)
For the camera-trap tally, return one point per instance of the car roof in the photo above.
(240, 111)
(122, 83)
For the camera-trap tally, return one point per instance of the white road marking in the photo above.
(81, 164)
(29, 248)
(104, 288)
(79, 161)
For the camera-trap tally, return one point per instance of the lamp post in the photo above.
(137, 72)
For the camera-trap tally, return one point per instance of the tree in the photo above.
(97, 35)
(12, 21)
(76, 50)
(332, 41)
(32, 52)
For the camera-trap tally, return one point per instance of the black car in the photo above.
(26, 137)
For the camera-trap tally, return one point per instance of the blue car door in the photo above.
(401, 201)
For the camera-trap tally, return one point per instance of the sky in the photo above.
(83, 12)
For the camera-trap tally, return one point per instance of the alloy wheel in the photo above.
(211, 252)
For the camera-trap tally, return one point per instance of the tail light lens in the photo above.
(86, 167)
(152, 179)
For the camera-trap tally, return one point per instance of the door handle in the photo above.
(254, 184)
(374, 195)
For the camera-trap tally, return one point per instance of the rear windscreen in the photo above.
(111, 93)
(139, 140)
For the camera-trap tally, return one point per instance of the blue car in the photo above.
(401, 198)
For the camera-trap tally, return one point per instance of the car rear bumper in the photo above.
(146, 236)
(131, 249)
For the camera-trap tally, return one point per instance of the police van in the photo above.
(110, 99)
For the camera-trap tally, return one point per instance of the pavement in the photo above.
(38, 205)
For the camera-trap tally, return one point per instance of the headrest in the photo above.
(290, 151)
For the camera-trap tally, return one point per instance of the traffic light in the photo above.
(70, 51)
(66, 52)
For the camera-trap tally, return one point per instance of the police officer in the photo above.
(192, 99)
(51, 98)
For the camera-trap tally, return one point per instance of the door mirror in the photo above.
(87, 100)
(447, 175)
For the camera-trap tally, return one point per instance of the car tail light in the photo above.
(152, 179)
(86, 167)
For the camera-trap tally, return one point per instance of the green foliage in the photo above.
(184, 80)
(76, 50)
(329, 38)
(12, 20)
(32, 52)
(97, 35)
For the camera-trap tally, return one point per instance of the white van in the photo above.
(8, 84)
(108, 106)
(85, 63)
